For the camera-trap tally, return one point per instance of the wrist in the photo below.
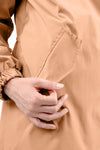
(7, 84)
(6, 88)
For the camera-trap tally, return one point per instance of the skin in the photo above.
(25, 92)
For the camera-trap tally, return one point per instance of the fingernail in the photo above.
(54, 127)
(66, 96)
(59, 85)
(66, 110)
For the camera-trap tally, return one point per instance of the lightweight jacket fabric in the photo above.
(57, 40)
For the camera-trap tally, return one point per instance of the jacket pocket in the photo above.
(62, 57)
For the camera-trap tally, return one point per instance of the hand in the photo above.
(26, 93)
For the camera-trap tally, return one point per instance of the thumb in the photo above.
(47, 84)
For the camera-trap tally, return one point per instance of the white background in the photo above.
(11, 42)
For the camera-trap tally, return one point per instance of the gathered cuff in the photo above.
(5, 76)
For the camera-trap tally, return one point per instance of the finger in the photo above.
(49, 117)
(53, 109)
(61, 101)
(41, 124)
(47, 99)
(46, 84)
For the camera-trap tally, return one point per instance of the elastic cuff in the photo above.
(5, 76)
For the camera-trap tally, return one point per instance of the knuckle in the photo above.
(55, 109)
(44, 97)
(61, 113)
(27, 113)
(35, 101)
(42, 126)
(37, 124)
(31, 108)
(35, 114)
(58, 116)
(36, 82)
(48, 118)
(46, 126)
(38, 97)
(55, 102)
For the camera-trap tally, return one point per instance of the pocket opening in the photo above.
(62, 57)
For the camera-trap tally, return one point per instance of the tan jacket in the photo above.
(57, 40)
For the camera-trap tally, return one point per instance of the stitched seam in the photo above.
(25, 20)
(72, 35)
(53, 45)
(70, 67)
(76, 53)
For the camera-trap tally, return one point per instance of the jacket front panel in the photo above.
(58, 41)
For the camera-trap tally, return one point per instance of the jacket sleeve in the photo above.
(10, 66)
